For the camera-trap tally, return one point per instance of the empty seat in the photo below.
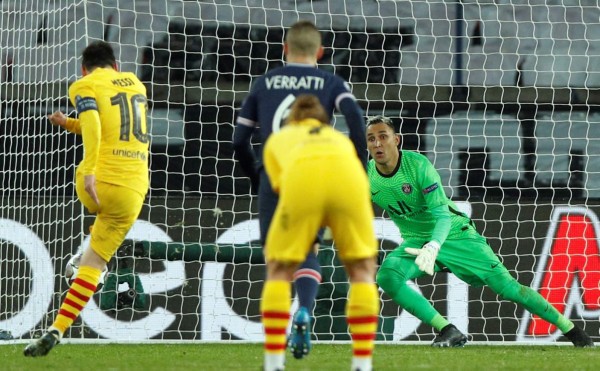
(491, 55)
(447, 138)
(565, 47)
(166, 127)
(426, 68)
(565, 136)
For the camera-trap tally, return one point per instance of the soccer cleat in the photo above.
(299, 340)
(579, 338)
(449, 337)
(43, 345)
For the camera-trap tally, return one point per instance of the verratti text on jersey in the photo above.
(294, 82)
(129, 154)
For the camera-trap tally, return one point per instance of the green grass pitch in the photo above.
(223, 357)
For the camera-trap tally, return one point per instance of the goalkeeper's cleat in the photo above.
(43, 345)
(579, 338)
(449, 337)
(299, 340)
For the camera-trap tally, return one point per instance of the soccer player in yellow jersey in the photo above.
(112, 178)
(321, 182)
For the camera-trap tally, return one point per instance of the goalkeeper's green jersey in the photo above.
(410, 192)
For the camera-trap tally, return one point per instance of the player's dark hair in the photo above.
(307, 106)
(379, 119)
(303, 38)
(98, 54)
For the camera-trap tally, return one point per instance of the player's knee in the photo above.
(511, 290)
(361, 270)
(390, 281)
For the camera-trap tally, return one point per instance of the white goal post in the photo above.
(502, 96)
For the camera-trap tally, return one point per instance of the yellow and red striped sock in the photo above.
(275, 308)
(82, 289)
(362, 312)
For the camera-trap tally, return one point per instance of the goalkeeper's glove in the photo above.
(425, 256)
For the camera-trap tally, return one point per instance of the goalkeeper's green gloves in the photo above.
(425, 256)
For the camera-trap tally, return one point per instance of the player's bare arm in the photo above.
(90, 187)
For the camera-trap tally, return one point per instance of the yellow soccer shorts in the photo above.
(119, 209)
(316, 193)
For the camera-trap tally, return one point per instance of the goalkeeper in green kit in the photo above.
(437, 237)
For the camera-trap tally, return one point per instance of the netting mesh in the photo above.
(500, 95)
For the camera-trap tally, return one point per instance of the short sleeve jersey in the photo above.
(409, 193)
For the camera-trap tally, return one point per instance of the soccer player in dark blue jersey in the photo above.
(264, 110)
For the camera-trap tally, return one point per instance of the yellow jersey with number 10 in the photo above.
(112, 109)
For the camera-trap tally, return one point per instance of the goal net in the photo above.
(500, 95)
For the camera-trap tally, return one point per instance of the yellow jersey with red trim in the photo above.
(308, 138)
(112, 119)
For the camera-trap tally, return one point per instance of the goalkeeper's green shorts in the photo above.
(469, 258)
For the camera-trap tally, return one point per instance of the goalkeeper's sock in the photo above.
(361, 313)
(82, 289)
(564, 324)
(275, 308)
(438, 322)
(306, 280)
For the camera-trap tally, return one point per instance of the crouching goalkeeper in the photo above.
(438, 237)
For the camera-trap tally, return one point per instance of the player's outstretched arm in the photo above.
(60, 119)
(90, 187)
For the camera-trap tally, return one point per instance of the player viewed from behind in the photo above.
(306, 162)
(112, 178)
(265, 109)
(438, 237)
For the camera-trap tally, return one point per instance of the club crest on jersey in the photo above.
(406, 188)
(430, 189)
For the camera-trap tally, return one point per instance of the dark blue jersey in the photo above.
(271, 96)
